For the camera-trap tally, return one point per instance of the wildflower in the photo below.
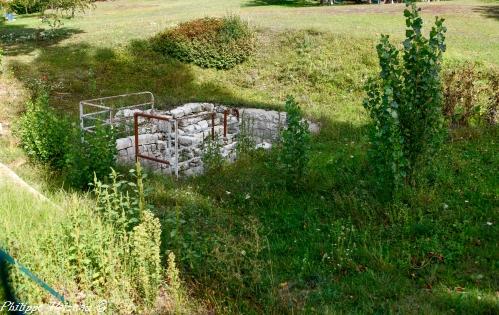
(247, 196)
(227, 192)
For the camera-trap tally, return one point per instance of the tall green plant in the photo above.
(212, 154)
(122, 204)
(89, 153)
(43, 133)
(295, 144)
(405, 102)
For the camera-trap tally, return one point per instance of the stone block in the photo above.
(177, 112)
(123, 143)
(203, 125)
(131, 152)
(189, 129)
(186, 140)
(208, 107)
(264, 145)
(194, 107)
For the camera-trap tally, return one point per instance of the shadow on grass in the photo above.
(18, 39)
(81, 71)
(286, 3)
(489, 11)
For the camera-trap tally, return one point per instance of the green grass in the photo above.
(279, 251)
(472, 24)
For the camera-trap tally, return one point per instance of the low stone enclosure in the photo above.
(173, 141)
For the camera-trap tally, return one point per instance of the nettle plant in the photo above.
(405, 102)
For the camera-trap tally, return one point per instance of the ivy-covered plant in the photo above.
(405, 102)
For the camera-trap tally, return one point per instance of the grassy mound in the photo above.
(219, 43)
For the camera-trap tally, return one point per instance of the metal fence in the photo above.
(104, 110)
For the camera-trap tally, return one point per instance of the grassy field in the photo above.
(332, 247)
(113, 23)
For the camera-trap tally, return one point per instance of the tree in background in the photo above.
(51, 10)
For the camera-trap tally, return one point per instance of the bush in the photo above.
(52, 140)
(470, 95)
(218, 43)
(27, 7)
(405, 103)
(89, 154)
(43, 133)
(295, 144)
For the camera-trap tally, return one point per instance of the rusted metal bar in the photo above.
(152, 158)
(158, 117)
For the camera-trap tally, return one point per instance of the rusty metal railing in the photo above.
(138, 155)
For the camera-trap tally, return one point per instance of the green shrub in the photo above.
(295, 144)
(218, 43)
(89, 154)
(470, 95)
(43, 133)
(27, 7)
(53, 140)
(405, 103)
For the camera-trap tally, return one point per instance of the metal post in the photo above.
(82, 124)
(136, 130)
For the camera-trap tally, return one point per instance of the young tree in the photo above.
(405, 102)
(295, 144)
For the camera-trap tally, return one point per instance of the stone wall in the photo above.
(194, 120)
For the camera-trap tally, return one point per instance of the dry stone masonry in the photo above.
(194, 121)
